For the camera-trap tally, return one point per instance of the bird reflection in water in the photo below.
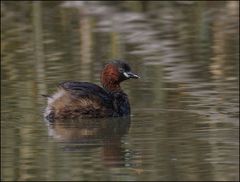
(86, 134)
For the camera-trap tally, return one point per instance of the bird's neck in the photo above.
(112, 87)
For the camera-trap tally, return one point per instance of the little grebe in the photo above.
(85, 100)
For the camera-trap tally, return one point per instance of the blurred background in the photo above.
(185, 108)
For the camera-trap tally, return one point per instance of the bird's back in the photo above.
(79, 99)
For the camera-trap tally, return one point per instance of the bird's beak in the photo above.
(130, 75)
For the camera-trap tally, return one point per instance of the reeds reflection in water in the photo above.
(185, 107)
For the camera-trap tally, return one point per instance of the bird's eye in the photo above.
(121, 70)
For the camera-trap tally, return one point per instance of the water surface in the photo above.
(185, 108)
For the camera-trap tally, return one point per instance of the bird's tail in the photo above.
(44, 95)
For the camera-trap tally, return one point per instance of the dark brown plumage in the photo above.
(82, 99)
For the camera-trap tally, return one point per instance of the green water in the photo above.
(185, 108)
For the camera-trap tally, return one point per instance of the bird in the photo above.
(74, 99)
